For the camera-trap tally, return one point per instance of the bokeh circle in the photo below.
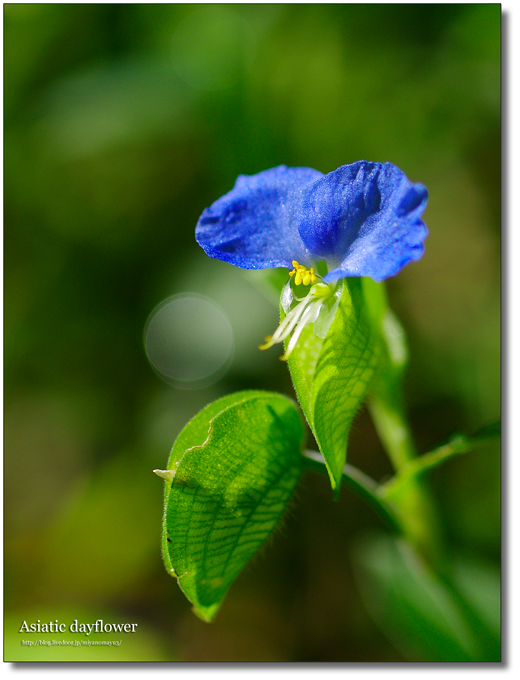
(189, 341)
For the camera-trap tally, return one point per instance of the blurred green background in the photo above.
(122, 123)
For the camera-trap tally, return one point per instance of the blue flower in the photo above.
(362, 219)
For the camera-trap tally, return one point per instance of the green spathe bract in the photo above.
(240, 460)
(332, 375)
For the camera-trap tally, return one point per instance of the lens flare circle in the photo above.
(189, 341)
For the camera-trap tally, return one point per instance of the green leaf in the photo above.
(239, 461)
(457, 445)
(478, 584)
(423, 616)
(332, 375)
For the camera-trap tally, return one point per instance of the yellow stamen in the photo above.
(302, 274)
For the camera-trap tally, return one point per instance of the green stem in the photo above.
(392, 428)
(414, 505)
(456, 446)
(361, 484)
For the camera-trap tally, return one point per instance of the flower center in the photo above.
(302, 274)
(317, 307)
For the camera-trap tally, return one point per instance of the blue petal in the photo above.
(364, 220)
(255, 225)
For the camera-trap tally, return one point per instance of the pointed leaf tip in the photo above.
(167, 475)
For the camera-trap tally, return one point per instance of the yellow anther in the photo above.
(267, 342)
(296, 268)
(302, 274)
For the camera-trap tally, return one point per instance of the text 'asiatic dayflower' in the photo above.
(362, 219)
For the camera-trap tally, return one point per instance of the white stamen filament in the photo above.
(310, 316)
(306, 311)
(292, 318)
(288, 323)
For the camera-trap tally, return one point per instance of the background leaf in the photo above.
(332, 376)
(229, 490)
(423, 616)
(386, 399)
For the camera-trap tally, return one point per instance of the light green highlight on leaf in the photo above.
(395, 338)
(240, 461)
(387, 412)
(375, 298)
